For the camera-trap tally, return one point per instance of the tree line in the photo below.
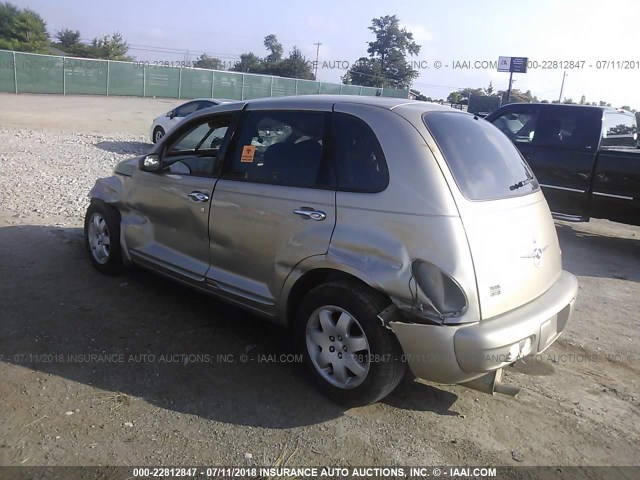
(463, 97)
(385, 64)
(24, 30)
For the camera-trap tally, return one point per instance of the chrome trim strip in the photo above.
(563, 188)
(623, 197)
(569, 218)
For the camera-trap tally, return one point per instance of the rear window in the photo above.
(483, 161)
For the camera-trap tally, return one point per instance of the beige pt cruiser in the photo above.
(385, 233)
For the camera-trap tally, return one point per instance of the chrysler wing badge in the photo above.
(536, 254)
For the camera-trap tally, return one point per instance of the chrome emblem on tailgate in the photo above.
(536, 254)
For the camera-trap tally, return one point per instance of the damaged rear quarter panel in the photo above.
(415, 217)
(380, 246)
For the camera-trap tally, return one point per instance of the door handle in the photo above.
(312, 214)
(198, 197)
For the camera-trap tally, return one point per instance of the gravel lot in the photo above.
(580, 404)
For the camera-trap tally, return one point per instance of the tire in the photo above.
(158, 133)
(102, 238)
(363, 339)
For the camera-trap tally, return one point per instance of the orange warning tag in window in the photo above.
(248, 152)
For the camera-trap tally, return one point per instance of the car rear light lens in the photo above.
(445, 298)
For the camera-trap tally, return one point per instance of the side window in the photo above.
(205, 104)
(282, 148)
(205, 136)
(186, 109)
(619, 130)
(520, 127)
(360, 163)
(194, 152)
(574, 128)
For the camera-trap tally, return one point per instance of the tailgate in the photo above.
(515, 251)
(509, 228)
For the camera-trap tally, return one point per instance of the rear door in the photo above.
(274, 205)
(616, 182)
(616, 187)
(509, 228)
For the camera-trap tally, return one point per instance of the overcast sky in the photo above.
(542, 30)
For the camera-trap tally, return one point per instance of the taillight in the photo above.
(445, 298)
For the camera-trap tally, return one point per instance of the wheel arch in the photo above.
(296, 288)
(109, 202)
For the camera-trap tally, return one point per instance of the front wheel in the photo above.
(351, 357)
(158, 133)
(102, 238)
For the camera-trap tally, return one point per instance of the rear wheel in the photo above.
(102, 238)
(351, 357)
(158, 133)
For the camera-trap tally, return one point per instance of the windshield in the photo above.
(483, 161)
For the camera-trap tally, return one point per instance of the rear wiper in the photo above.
(521, 183)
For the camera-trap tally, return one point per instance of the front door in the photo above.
(168, 226)
(273, 207)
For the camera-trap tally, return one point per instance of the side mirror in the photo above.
(170, 114)
(151, 163)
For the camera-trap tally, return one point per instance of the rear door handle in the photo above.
(198, 197)
(310, 213)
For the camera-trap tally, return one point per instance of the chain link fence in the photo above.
(34, 73)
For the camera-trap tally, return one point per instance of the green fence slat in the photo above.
(256, 86)
(196, 83)
(7, 78)
(308, 87)
(88, 77)
(125, 79)
(350, 90)
(39, 73)
(369, 91)
(395, 92)
(283, 86)
(227, 85)
(330, 88)
(162, 82)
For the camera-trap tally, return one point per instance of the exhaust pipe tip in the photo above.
(506, 389)
(490, 383)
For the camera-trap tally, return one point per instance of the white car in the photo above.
(162, 124)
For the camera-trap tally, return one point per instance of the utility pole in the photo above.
(564, 74)
(315, 74)
(509, 90)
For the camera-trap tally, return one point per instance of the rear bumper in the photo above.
(456, 354)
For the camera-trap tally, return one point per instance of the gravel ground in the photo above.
(52, 173)
(580, 404)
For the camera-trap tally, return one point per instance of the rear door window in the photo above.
(282, 148)
(483, 161)
(619, 130)
(575, 128)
